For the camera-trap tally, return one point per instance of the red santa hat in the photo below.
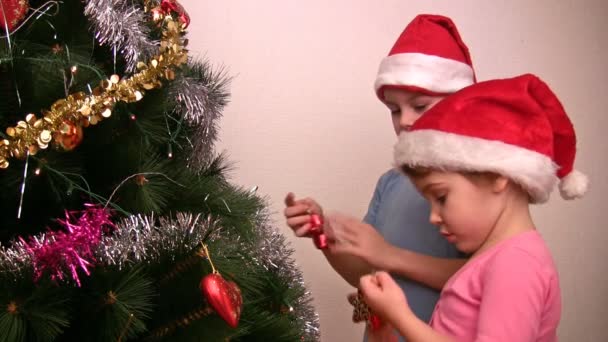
(429, 56)
(515, 127)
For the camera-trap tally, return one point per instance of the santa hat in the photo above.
(429, 56)
(514, 127)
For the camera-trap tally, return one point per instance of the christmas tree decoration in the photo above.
(362, 312)
(318, 237)
(168, 6)
(108, 124)
(223, 296)
(69, 136)
(63, 253)
(12, 13)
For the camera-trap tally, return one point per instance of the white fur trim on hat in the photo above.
(534, 171)
(574, 185)
(433, 73)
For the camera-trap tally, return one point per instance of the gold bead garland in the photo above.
(34, 134)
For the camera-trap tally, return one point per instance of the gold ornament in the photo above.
(81, 110)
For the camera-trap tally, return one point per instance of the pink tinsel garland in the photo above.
(63, 252)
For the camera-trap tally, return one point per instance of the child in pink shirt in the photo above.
(480, 157)
(510, 292)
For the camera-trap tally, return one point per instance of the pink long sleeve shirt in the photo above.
(509, 292)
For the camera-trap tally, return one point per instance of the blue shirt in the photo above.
(401, 215)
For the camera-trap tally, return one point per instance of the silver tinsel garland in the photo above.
(275, 254)
(140, 239)
(200, 99)
(15, 261)
(121, 25)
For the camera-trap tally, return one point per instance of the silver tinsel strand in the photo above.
(192, 103)
(140, 238)
(120, 25)
(15, 262)
(275, 255)
(200, 100)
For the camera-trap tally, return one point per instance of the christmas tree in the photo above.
(117, 218)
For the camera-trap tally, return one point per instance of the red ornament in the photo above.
(316, 230)
(69, 136)
(168, 6)
(14, 10)
(224, 297)
(375, 322)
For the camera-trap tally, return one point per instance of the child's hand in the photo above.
(384, 296)
(298, 214)
(348, 235)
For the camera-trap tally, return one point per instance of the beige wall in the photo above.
(304, 118)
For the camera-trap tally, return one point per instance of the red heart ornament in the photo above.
(11, 13)
(224, 297)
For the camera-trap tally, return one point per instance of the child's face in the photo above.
(406, 106)
(465, 208)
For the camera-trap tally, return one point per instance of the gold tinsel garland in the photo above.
(81, 109)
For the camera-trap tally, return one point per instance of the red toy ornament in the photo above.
(316, 230)
(11, 13)
(224, 297)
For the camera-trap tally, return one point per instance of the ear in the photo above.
(500, 184)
